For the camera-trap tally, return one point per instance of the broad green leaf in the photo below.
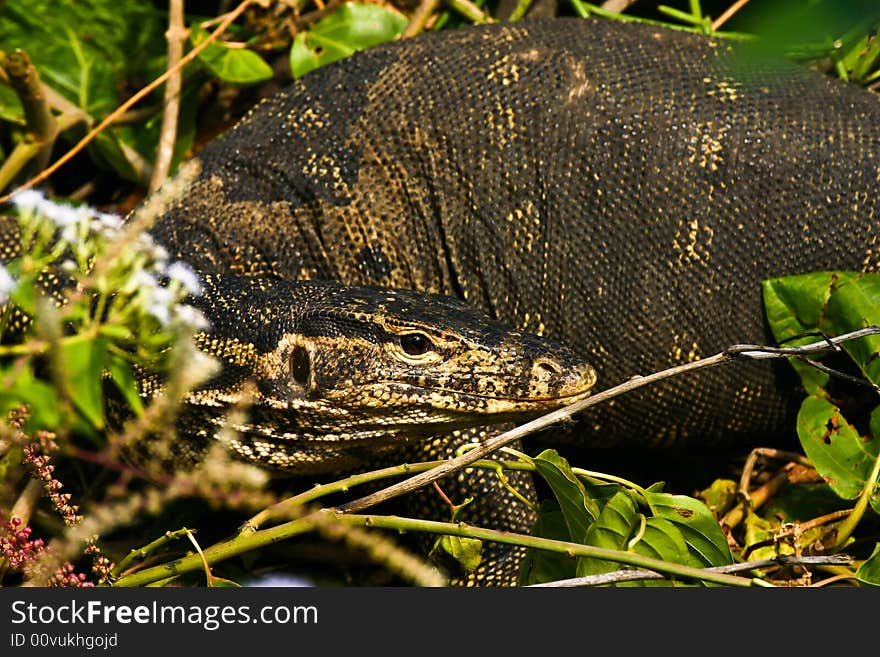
(540, 566)
(854, 304)
(805, 501)
(706, 543)
(82, 367)
(468, 552)
(869, 571)
(352, 27)
(793, 306)
(843, 457)
(830, 302)
(612, 529)
(834, 303)
(19, 386)
(233, 65)
(88, 49)
(10, 106)
(600, 492)
(578, 509)
(719, 496)
(123, 378)
(661, 539)
(760, 530)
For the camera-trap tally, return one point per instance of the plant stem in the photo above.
(852, 520)
(246, 542)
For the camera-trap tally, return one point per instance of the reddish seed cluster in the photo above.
(101, 565)
(36, 454)
(22, 553)
(16, 545)
(65, 576)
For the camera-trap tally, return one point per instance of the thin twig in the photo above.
(617, 6)
(420, 18)
(39, 120)
(631, 575)
(522, 6)
(834, 516)
(728, 13)
(175, 35)
(756, 498)
(751, 352)
(470, 11)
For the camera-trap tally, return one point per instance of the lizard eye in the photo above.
(415, 344)
(300, 366)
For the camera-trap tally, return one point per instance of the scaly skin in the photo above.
(344, 374)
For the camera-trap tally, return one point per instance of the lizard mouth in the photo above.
(488, 404)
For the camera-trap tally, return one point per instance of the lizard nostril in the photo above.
(300, 366)
(549, 367)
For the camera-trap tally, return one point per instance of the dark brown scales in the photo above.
(620, 187)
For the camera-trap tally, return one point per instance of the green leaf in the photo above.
(803, 502)
(855, 303)
(706, 543)
(843, 457)
(833, 303)
(612, 529)
(19, 387)
(24, 294)
(10, 107)
(352, 27)
(793, 306)
(221, 583)
(578, 509)
(82, 367)
(873, 448)
(468, 552)
(720, 496)
(869, 571)
(830, 302)
(123, 377)
(663, 540)
(233, 65)
(540, 566)
(89, 49)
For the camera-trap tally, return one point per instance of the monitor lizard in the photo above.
(620, 188)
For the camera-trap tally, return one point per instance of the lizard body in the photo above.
(621, 189)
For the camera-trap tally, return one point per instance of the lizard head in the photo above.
(336, 370)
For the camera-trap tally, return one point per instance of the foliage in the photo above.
(674, 528)
(66, 358)
(90, 53)
(120, 318)
(350, 28)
